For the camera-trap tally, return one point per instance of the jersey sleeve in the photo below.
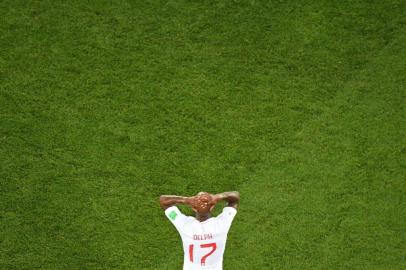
(176, 217)
(226, 218)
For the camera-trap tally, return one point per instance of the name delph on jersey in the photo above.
(201, 237)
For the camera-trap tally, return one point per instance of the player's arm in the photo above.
(231, 197)
(167, 201)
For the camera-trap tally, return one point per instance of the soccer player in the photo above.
(204, 237)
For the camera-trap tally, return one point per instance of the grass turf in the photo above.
(299, 105)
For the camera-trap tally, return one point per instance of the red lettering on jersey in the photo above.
(213, 247)
(191, 253)
(200, 237)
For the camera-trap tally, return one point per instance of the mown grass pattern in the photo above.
(299, 105)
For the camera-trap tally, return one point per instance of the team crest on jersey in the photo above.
(172, 215)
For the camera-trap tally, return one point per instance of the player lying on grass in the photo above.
(204, 237)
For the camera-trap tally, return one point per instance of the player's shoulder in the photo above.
(229, 210)
(227, 213)
(173, 212)
(172, 209)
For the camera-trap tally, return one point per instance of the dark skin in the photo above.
(202, 203)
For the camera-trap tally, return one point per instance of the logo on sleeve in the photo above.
(172, 215)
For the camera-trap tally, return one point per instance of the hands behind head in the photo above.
(203, 202)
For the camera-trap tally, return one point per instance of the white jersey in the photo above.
(203, 242)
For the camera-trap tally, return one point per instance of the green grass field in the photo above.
(298, 105)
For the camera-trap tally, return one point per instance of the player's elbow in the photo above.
(162, 201)
(236, 196)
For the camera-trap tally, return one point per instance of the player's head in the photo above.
(204, 203)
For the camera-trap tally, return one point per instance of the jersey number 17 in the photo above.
(213, 247)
